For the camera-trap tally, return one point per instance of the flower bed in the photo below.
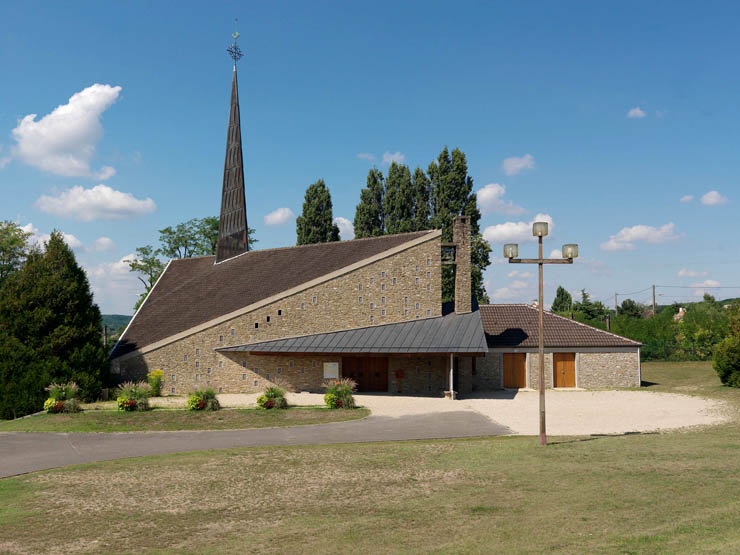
(133, 396)
(272, 398)
(339, 394)
(203, 400)
(62, 398)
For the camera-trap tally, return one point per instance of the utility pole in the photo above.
(616, 305)
(654, 307)
(105, 335)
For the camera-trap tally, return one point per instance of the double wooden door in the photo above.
(564, 369)
(370, 373)
(515, 370)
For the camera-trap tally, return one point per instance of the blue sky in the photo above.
(601, 116)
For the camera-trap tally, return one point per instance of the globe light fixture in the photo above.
(570, 251)
(539, 229)
(511, 250)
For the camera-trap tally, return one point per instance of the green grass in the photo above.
(652, 493)
(175, 419)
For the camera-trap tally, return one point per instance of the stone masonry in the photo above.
(461, 238)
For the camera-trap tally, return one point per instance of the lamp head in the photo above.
(570, 251)
(511, 250)
(540, 229)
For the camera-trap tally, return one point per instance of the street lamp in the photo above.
(570, 251)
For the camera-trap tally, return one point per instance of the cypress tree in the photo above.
(563, 300)
(50, 331)
(316, 222)
(369, 221)
(398, 200)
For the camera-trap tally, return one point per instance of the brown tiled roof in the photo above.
(193, 291)
(517, 325)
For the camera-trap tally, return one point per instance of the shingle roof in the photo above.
(517, 325)
(193, 291)
(453, 333)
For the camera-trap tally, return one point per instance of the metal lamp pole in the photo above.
(570, 251)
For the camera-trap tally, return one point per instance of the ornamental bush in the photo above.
(339, 394)
(727, 360)
(203, 400)
(272, 398)
(155, 382)
(62, 398)
(133, 396)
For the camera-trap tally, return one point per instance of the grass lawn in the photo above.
(653, 493)
(177, 419)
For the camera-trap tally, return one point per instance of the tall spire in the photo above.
(232, 226)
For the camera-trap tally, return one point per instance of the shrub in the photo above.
(339, 394)
(50, 404)
(155, 382)
(63, 392)
(727, 360)
(133, 396)
(203, 400)
(71, 405)
(272, 398)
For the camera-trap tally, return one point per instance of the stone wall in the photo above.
(533, 370)
(488, 372)
(400, 287)
(421, 375)
(598, 370)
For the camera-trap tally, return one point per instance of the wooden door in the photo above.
(370, 373)
(564, 368)
(515, 370)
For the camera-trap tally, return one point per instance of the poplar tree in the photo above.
(50, 330)
(369, 219)
(398, 200)
(420, 198)
(316, 222)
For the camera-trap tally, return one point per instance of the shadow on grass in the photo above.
(594, 437)
(643, 383)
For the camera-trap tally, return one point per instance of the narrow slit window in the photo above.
(244, 376)
(220, 338)
(394, 281)
(197, 377)
(416, 306)
(220, 363)
(315, 299)
(359, 300)
(429, 261)
(372, 279)
(197, 364)
(382, 286)
(197, 352)
(255, 383)
(174, 377)
(372, 319)
(359, 287)
(303, 306)
(405, 311)
(280, 370)
(429, 312)
(372, 306)
(382, 275)
(290, 363)
(267, 319)
(417, 281)
(429, 274)
(256, 325)
(429, 286)
(405, 300)
(417, 267)
(382, 312)
(186, 358)
(280, 312)
(232, 332)
(382, 300)
(244, 363)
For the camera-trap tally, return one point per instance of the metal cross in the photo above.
(234, 51)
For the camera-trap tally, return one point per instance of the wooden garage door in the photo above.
(370, 373)
(564, 368)
(515, 370)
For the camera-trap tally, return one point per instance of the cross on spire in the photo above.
(234, 51)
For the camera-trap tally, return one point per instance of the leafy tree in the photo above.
(50, 330)
(369, 219)
(590, 310)
(420, 198)
(13, 247)
(398, 200)
(563, 300)
(316, 222)
(630, 309)
(148, 267)
(451, 194)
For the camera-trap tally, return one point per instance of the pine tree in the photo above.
(50, 330)
(452, 195)
(369, 221)
(316, 222)
(563, 300)
(398, 200)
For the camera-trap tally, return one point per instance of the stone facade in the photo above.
(463, 284)
(488, 372)
(399, 287)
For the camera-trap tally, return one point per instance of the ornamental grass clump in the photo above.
(155, 382)
(272, 398)
(133, 396)
(62, 398)
(203, 400)
(339, 394)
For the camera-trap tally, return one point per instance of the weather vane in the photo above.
(234, 51)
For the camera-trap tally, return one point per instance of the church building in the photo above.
(369, 309)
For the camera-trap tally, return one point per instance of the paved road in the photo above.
(22, 452)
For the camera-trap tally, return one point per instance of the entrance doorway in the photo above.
(370, 373)
(515, 370)
(564, 369)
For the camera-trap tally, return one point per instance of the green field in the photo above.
(642, 493)
(166, 420)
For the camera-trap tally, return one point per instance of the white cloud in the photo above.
(518, 284)
(98, 203)
(691, 273)
(102, 244)
(512, 232)
(628, 236)
(279, 217)
(706, 283)
(514, 165)
(63, 142)
(687, 198)
(366, 156)
(490, 200)
(390, 157)
(520, 274)
(713, 198)
(636, 113)
(556, 253)
(503, 294)
(72, 241)
(346, 229)
(114, 287)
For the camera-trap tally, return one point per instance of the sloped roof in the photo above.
(453, 333)
(193, 291)
(517, 325)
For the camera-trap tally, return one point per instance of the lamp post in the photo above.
(570, 251)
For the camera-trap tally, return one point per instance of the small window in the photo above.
(256, 325)
(174, 377)
(244, 376)
(220, 363)
(372, 279)
(372, 319)
(303, 306)
(280, 312)
(172, 390)
(359, 300)
(255, 383)
(429, 312)
(359, 287)
(232, 332)
(417, 281)
(382, 300)
(417, 316)
(256, 370)
(429, 261)
(244, 363)
(290, 363)
(220, 338)
(382, 286)
(186, 358)
(372, 306)
(417, 306)
(382, 312)
(267, 376)
(405, 300)
(417, 268)
(220, 389)
(394, 281)
(405, 311)
(208, 371)
(197, 364)
(197, 352)
(382, 275)
(197, 377)
(303, 370)
(315, 299)
(429, 286)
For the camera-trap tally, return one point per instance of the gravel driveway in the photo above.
(568, 412)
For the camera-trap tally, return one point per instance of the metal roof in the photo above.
(453, 333)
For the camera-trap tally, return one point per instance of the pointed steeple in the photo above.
(232, 226)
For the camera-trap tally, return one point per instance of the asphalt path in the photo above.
(22, 452)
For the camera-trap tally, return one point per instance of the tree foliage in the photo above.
(590, 310)
(316, 222)
(50, 330)
(563, 300)
(726, 360)
(369, 217)
(13, 248)
(630, 309)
